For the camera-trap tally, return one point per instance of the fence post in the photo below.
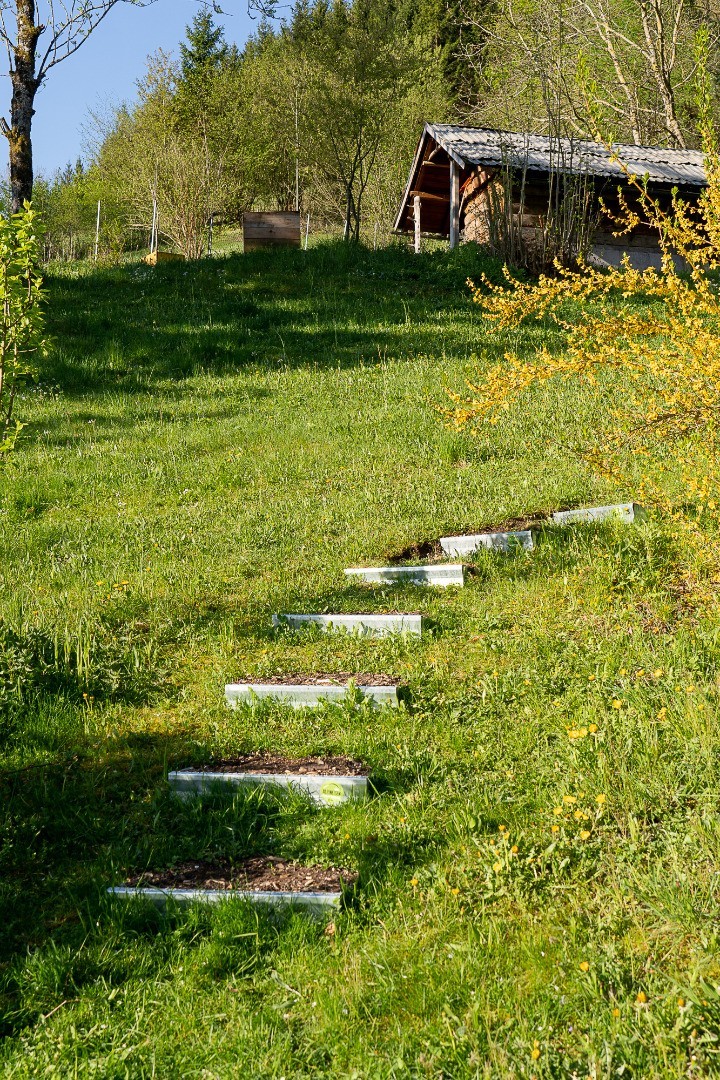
(97, 233)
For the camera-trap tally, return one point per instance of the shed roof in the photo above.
(483, 146)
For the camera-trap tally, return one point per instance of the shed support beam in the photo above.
(454, 204)
(417, 224)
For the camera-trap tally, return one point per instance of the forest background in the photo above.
(321, 111)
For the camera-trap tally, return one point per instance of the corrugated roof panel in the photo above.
(482, 146)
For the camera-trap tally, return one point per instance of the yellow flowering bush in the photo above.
(644, 344)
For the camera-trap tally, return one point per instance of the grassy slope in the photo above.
(223, 440)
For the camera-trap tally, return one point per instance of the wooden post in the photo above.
(307, 231)
(417, 224)
(454, 204)
(97, 233)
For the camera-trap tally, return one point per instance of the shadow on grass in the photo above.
(131, 327)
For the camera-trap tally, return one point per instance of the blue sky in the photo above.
(105, 69)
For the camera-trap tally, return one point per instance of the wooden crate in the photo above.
(162, 257)
(271, 229)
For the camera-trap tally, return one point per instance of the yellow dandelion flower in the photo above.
(622, 671)
(514, 849)
(617, 704)
(535, 1054)
(554, 828)
(497, 867)
(641, 672)
(616, 1012)
(455, 891)
(690, 689)
(583, 732)
(592, 729)
(414, 882)
(662, 713)
(584, 834)
(585, 966)
(569, 799)
(601, 799)
(641, 998)
(557, 810)
(658, 673)
(502, 828)
(681, 1003)
(591, 678)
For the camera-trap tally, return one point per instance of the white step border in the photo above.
(305, 695)
(325, 790)
(314, 903)
(362, 625)
(625, 513)
(457, 546)
(441, 575)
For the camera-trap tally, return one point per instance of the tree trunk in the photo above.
(25, 86)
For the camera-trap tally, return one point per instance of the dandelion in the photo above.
(592, 729)
(554, 828)
(601, 799)
(662, 713)
(514, 849)
(585, 966)
(641, 998)
(414, 882)
(617, 704)
(658, 673)
(681, 1003)
(535, 1054)
(557, 810)
(569, 799)
(616, 1012)
(455, 891)
(591, 678)
(497, 867)
(583, 732)
(640, 673)
(502, 828)
(584, 834)
(690, 689)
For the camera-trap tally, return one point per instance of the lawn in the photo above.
(212, 443)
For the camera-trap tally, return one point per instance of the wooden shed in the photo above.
(273, 228)
(463, 177)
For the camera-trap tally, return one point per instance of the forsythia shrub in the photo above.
(647, 342)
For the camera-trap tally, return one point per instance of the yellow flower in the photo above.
(662, 713)
(641, 672)
(535, 1054)
(681, 1003)
(514, 849)
(641, 998)
(455, 891)
(617, 704)
(497, 867)
(585, 966)
(557, 810)
(555, 828)
(584, 834)
(616, 1012)
(502, 828)
(601, 799)
(569, 799)
(583, 732)
(657, 673)
(591, 678)
(622, 671)
(690, 689)
(592, 729)
(414, 882)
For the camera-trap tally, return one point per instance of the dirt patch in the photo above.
(267, 764)
(262, 873)
(536, 521)
(427, 550)
(341, 679)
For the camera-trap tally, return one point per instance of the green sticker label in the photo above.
(332, 793)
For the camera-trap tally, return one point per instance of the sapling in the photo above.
(21, 321)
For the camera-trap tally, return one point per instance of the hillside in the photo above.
(211, 443)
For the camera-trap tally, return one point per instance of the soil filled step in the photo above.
(625, 513)
(362, 625)
(458, 546)
(440, 575)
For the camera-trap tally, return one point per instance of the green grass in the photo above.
(209, 444)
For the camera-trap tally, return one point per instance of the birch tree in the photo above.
(38, 35)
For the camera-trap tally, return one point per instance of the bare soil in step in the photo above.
(262, 873)
(340, 679)
(269, 764)
(430, 551)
